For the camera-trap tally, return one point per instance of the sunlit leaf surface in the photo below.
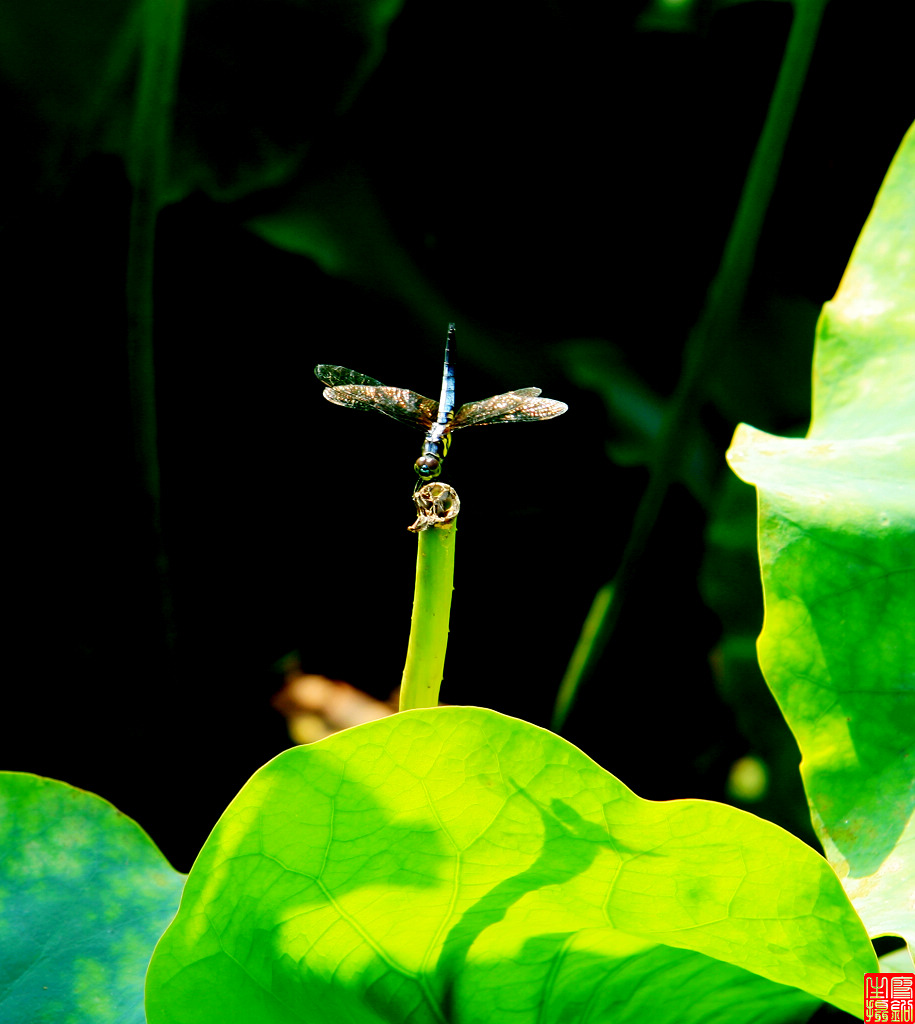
(452, 864)
(837, 548)
(84, 897)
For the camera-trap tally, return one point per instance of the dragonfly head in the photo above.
(428, 466)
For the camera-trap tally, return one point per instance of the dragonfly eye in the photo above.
(428, 467)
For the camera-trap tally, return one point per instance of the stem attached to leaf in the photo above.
(425, 664)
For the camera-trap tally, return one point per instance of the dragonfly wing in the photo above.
(333, 376)
(413, 408)
(522, 406)
(406, 407)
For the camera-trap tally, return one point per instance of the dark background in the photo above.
(556, 177)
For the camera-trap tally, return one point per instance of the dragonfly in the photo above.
(438, 419)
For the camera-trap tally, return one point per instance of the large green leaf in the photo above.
(452, 864)
(84, 896)
(837, 548)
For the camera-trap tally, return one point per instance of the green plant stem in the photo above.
(712, 330)
(162, 25)
(425, 664)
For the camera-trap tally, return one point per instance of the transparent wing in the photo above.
(354, 390)
(334, 375)
(522, 406)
